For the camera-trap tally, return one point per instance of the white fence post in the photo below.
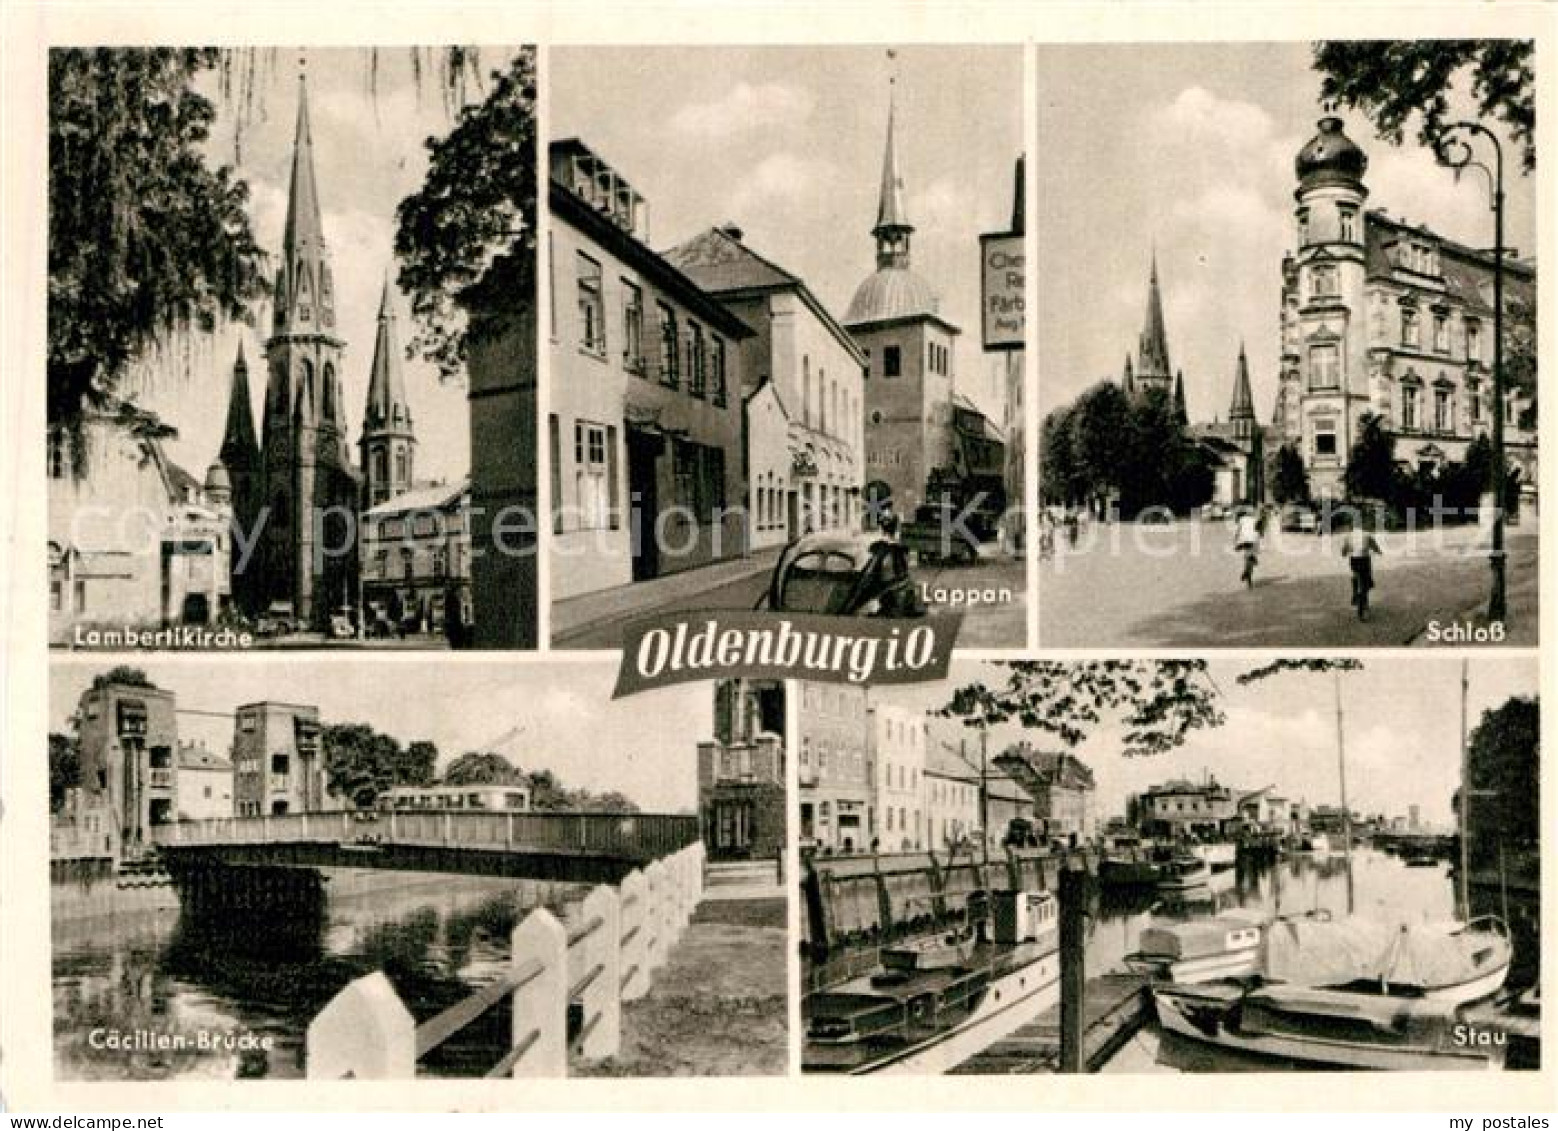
(364, 1033)
(541, 1005)
(634, 902)
(602, 998)
(655, 943)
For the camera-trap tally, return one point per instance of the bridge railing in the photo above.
(602, 954)
(637, 836)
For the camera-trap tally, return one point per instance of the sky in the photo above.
(644, 746)
(1189, 149)
(1401, 728)
(368, 156)
(787, 144)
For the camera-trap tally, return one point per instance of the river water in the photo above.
(127, 963)
(1383, 887)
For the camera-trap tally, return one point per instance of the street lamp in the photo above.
(1453, 148)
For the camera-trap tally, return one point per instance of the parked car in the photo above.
(278, 619)
(843, 575)
(938, 532)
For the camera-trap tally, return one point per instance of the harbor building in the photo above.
(646, 436)
(899, 741)
(741, 772)
(278, 762)
(803, 387)
(1184, 808)
(837, 804)
(1386, 316)
(951, 798)
(1061, 788)
(128, 735)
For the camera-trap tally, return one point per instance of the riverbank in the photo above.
(718, 1006)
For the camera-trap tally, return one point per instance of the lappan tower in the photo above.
(310, 485)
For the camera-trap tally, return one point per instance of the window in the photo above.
(1303, 227)
(632, 327)
(1441, 334)
(1411, 405)
(667, 318)
(1474, 400)
(1324, 367)
(592, 490)
(592, 309)
(1411, 334)
(1473, 341)
(1322, 281)
(1349, 223)
(696, 361)
(1325, 438)
(1444, 408)
(892, 362)
(555, 447)
(717, 378)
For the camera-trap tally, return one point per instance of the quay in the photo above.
(1115, 1007)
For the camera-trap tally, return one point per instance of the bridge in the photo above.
(280, 855)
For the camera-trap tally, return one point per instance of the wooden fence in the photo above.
(605, 955)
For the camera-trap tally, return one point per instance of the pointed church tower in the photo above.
(308, 476)
(388, 444)
(892, 229)
(244, 466)
(1152, 355)
(1181, 410)
(1241, 413)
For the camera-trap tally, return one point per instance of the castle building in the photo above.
(804, 391)
(310, 488)
(1387, 317)
(910, 353)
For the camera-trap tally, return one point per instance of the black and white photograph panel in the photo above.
(286, 382)
(770, 387)
(1287, 378)
(476, 871)
(1140, 866)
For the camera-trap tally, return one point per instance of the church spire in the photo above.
(892, 218)
(305, 302)
(1152, 353)
(1241, 413)
(387, 408)
(240, 447)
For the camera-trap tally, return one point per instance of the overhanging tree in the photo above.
(146, 239)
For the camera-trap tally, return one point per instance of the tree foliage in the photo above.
(1291, 482)
(477, 204)
(1158, 702)
(1399, 83)
(64, 768)
(360, 763)
(146, 240)
(124, 676)
(1504, 759)
(478, 768)
(1371, 465)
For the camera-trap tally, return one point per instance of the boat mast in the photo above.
(1341, 767)
(1465, 800)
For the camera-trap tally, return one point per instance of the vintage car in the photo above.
(278, 619)
(1300, 518)
(940, 532)
(857, 575)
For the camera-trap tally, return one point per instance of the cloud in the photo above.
(743, 109)
(784, 179)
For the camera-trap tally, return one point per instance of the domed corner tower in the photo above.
(310, 495)
(1324, 303)
(895, 317)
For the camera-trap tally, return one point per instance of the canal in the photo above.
(132, 976)
(1384, 887)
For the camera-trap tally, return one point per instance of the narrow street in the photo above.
(1178, 586)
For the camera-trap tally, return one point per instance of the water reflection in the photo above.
(153, 977)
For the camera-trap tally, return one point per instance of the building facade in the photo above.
(741, 772)
(899, 740)
(1061, 787)
(837, 779)
(205, 784)
(1188, 809)
(278, 760)
(951, 798)
(804, 386)
(645, 435)
(416, 562)
(128, 735)
(1386, 317)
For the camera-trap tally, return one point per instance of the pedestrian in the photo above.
(1246, 540)
(1359, 547)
